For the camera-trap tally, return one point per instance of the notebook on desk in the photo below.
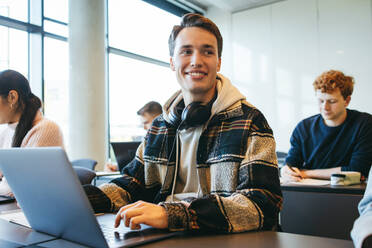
(124, 152)
(54, 202)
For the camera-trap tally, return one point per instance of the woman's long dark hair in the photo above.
(28, 103)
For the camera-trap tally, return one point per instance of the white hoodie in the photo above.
(187, 184)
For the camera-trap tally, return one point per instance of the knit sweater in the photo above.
(44, 132)
(317, 146)
(236, 170)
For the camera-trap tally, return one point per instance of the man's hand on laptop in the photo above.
(142, 212)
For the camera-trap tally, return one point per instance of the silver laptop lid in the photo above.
(50, 194)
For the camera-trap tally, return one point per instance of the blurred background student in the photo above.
(20, 111)
(147, 114)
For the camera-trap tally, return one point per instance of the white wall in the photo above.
(279, 49)
(223, 19)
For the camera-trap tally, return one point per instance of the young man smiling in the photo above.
(337, 139)
(208, 162)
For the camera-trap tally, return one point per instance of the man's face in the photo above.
(146, 120)
(332, 106)
(196, 61)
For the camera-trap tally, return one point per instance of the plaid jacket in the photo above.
(237, 173)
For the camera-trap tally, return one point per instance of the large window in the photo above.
(142, 32)
(56, 83)
(56, 17)
(56, 86)
(56, 10)
(132, 84)
(13, 50)
(138, 63)
(15, 9)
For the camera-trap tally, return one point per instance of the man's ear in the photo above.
(219, 64)
(347, 101)
(172, 64)
(12, 97)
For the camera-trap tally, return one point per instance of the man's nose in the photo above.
(196, 59)
(325, 105)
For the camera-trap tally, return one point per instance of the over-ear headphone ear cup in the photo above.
(173, 118)
(175, 114)
(195, 114)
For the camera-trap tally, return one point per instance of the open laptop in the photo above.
(54, 202)
(124, 152)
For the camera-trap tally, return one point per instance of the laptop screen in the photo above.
(125, 152)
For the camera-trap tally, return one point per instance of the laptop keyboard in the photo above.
(111, 234)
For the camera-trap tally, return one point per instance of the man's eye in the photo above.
(209, 52)
(186, 52)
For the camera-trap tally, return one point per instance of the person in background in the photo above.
(338, 139)
(25, 124)
(362, 229)
(208, 162)
(147, 114)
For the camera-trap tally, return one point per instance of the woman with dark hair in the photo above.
(25, 125)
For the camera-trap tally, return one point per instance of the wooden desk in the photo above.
(25, 236)
(327, 211)
(248, 239)
(252, 240)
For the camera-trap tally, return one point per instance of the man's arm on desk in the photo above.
(320, 173)
(295, 174)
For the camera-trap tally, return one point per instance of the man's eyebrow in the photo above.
(186, 46)
(208, 46)
(203, 46)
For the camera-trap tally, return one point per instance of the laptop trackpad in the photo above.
(125, 236)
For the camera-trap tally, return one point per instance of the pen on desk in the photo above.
(291, 168)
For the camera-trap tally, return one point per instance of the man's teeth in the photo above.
(196, 73)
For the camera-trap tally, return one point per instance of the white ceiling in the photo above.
(231, 5)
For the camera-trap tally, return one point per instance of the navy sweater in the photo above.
(317, 146)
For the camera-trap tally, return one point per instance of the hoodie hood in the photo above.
(227, 96)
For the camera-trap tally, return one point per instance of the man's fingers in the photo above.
(129, 214)
(136, 221)
(142, 213)
(295, 178)
(119, 214)
(294, 172)
(287, 178)
(117, 219)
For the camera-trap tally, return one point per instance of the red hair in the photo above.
(330, 80)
